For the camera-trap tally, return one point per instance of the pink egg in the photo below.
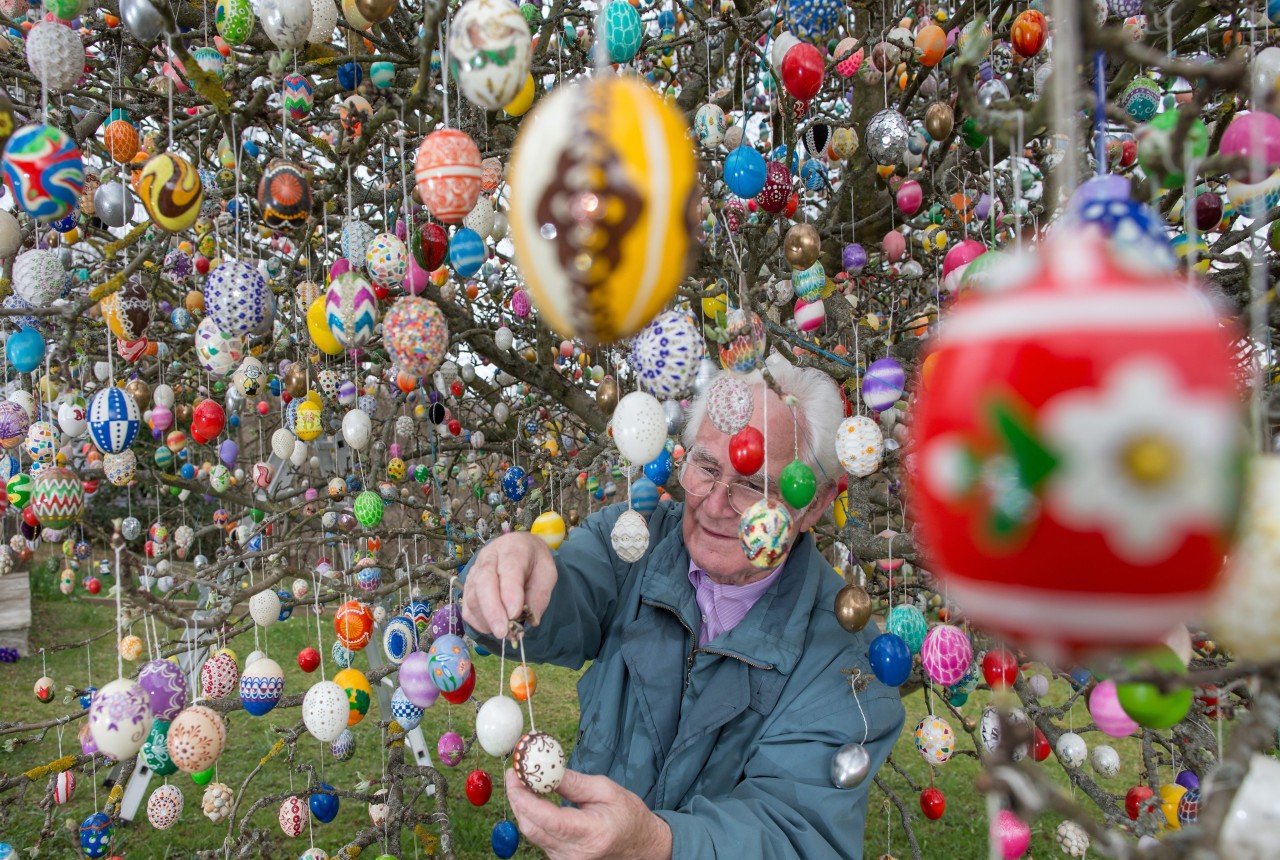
(1011, 834)
(962, 254)
(341, 266)
(910, 197)
(810, 315)
(1104, 707)
(894, 245)
(415, 280)
(1250, 131)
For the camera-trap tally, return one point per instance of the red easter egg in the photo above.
(479, 787)
(910, 197)
(1030, 29)
(455, 427)
(933, 803)
(802, 71)
(460, 695)
(1135, 798)
(353, 624)
(999, 668)
(1118, 427)
(93, 585)
(207, 421)
(1040, 749)
(746, 451)
(777, 188)
(308, 659)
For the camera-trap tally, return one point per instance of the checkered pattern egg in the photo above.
(946, 654)
(604, 277)
(490, 52)
(729, 404)
(44, 172)
(387, 259)
(399, 638)
(450, 662)
(128, 311)
(447, 172)
(351, 309)
(164, 806)
(860, 445)
(299, 97)
(293, 816)
(38, 277)
(416, 335)
(114, 420)
(765, 534)
(197, 737)
(356, 236)
(218, 352)
(171, 191)
(261, 686)
(58, 499)
(237, 298)
(219, 676)
(666, 354)
(405, 712)
(284, 195)
(935, 740)
(43, 441)
(55, 55)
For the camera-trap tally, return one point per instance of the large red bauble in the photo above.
(207, 421)
(1103, 392)
(746, 451)
(933, 803)
(999, 668)
(460, 695)
(308, 659)
(1134, 800)
(479, 787)
(802, 71)
(1030, 29)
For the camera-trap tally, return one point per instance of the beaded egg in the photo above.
(447, 172)
(416, 335)
(55, 54)
(666, 353)
(44, 172)
(238, 299)
(171, 192)
(935, 740)
(128, 311)
(38, 278)
(490, 52)
(164, 806)
(351, 309)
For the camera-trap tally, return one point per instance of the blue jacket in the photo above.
(730, 743)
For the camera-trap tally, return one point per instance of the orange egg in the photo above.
(406, 382)
(931, 44)
(111, 21)
(473, 291)
(524, 682)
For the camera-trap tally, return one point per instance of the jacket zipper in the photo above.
(688, 672)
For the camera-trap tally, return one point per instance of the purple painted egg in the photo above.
(447, 619)
(166, 685)
(854, 258)
(883, 384)
(415, 680)
(450, 748)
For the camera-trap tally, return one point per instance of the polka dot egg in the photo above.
(860, 445)
(935, 740)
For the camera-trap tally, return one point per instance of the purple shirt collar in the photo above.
(723, 606)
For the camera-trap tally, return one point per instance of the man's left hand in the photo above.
(609, 821)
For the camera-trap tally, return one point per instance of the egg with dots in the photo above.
(353, 624)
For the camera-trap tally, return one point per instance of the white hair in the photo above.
(819, 412)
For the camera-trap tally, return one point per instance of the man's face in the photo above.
(711, 523)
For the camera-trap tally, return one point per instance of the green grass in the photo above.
(960, 834)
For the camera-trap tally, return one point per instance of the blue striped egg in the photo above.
(466, 252)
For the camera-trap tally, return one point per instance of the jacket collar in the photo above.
(772, 633)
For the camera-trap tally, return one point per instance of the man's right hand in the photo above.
(511, 572)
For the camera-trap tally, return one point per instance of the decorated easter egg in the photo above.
(387, 260)
(765, 533)
(298, 94)
(287, 23)
(623, 31)
(119, 718)
(55, 54)
(18, 490)
(812, 20)
(539, 761)
(15, 423)
(935, 740)
(490, 52)
(128, 311)
(591, 279)
(729, 404)
(860, 445)
(164, 806)
(709, 125)
(43, 439)
(884, 383)
(1088, 435)
(43, 171)
(466, 252)
(399, 637)
(284, 194)
(550, 526)
(353, 625)
(447, 173)
(325, 711)
(946, 654)
(171, 191)
(261, 684)
(450, 661)
(639, 427)
(234, 20)
(113, 420)
(351, 309)
(38, 278)
(64, 786)
(95, 834)
(644, 496)
(666, 354)
(237, 299)
(219, 676)
(405, 712)
(155, 749)
(908, 622)
(196, 738)
(358, 692)
(450, 748)
(58, 497)
(292, 816)
(416, 335)
(218, 352)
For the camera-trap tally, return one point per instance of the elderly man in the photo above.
(718, 692)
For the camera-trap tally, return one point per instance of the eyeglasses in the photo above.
(701, 481)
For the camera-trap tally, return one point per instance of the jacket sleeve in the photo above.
(583, 600)
(786, 806)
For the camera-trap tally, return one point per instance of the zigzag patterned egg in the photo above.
(171, 191)
(299, 97)
(284, 194)
(261, 686)
(58, 500)
(351, 309)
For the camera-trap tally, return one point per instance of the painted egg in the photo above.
(293, 816)
(323, 806)
(466, 252)
(353, 625)
(325, 711)
(539, 761)
(405, 712)
(499, 725)
(351, 309)
(809, 316)
(490, 52)
(284, 195)
(95, 834)
(119, 718)
(667, 354)
(416, 335)
(18, 490)
(450, 662)
(237, 299)
(908, 623)
(234, 20)
(345, 746)
(128, 311)
(120, 137)
(261, 685)
(594, 280)
(155, 749)
(44, 172)
(299, 96)
(989, 730)
(1001, 487)
(451, 748)
(709, 125)
(38, 278)
(812, 20)
(196, 738)
(550, 526)
(946, 654)
(308, 424)
(219, 353)
(447, 173)
(860, 445)
(164, 806)
(114, 420)
(809, 283)
(884, 384)
(624, 31)
(387, 259)
(58, 498)
(399, 637)
(64, 787)
(1072, 750)
(171, 191)
(219, 676)
(765, 533)
(935, 740)
(43, 441)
